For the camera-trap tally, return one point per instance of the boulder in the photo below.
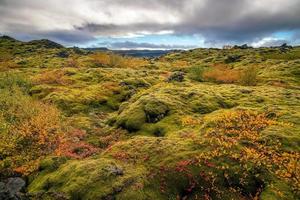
(115, 170)
(232, 58)
(12, 189)
(176, 76)
(63, 54)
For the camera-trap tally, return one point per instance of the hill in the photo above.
(197, 124)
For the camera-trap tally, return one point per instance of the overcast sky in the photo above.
(153, 24)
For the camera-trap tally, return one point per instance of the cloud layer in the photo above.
(217, 21)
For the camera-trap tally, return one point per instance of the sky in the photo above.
(153, 24)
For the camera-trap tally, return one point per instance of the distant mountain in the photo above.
(43, 43)
(135, 53)
(5, 37)
(97, 49)
(143, 53)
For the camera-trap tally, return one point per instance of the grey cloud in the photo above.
(218, 21)
(269, 42)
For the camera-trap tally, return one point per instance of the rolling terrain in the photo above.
(196, 124)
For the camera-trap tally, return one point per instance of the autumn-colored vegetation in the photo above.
(222, 74)
(72, 145)
(198, 124)
(30, 130)
(52, 77)
(102, 59)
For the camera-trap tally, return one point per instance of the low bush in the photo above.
(71, 62)
(115, 60)
(249, 76)
(52, 77)
(222, 74)
(196, 73)
(30, 130)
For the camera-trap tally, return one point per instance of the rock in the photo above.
(63, 54)
(15, 185)
(260, 99)
(115, 170)
(232, 58)
(244, 46)
(108, 197)
(176, 76)
(48, 195)
(12, 189)
(246, 91)
(3, 192)
(284, 47)
(271, 115)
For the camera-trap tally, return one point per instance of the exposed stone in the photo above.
(176, 76)
(232, 58)
(12, 189)
(115, 170)
(246, 91)
(63, 54)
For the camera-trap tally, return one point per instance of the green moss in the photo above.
(277, 190)
(132, 118)
(88, 179)
(155, 110)
(136, 82)
(40, 91)
(146, 109)
(99, 100)
(50, 164)
(196, 73)
(204, 107)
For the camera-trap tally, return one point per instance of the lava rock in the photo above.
(176, 76)
(232, 58)
(246, 91)
(284, 47)
(12, 189)
(63, 54)
(15, 185)
(115, 170)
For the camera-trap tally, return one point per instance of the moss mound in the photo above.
(145, 110)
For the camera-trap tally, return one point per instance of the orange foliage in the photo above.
(190, 121)
(234, 128)
(71, 62)
(111, 138)
(73, 146)
(103, 59)
(226, 140)
(52, 77)
(6, 65)
(32, 139)
(180, 63)
(111, 86)
(222, 74)
(132, 62)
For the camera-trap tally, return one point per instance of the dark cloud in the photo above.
(65, 37)
(217, 21)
